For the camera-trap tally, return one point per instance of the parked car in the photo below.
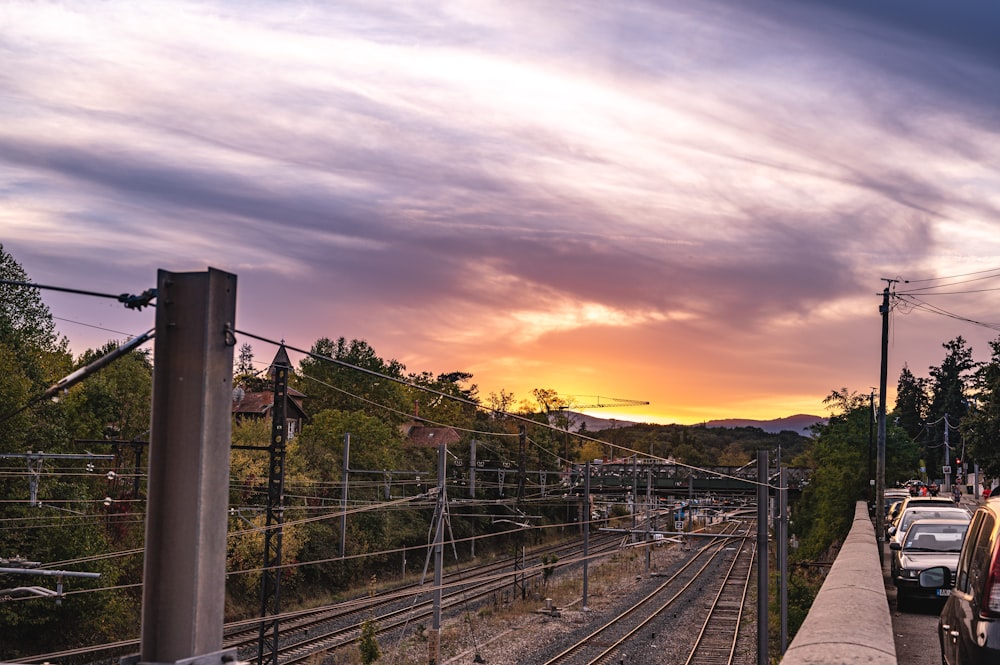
(891, 496)
(917, 501)
(969, 625)
(893, 513)
(946, 510)
(927, 543)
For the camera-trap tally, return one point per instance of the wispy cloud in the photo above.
(692, 194)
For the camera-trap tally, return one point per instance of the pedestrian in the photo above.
(956, 493)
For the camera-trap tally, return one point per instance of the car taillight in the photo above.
(991, 593)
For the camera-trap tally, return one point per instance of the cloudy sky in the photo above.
(689, 203)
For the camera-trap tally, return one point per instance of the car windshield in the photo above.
(934, 538)
(909, 516)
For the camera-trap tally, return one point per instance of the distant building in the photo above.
(418, 434)
(258, 405)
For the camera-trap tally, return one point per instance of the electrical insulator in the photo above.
(112, 475)
(90, 467)
(107, 502)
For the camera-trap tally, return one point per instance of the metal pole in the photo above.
(270, 588)
(690, 507)
(649, 519)
(435, 645)
(762, 555)
(472, 469)
(184, 579)
(947, 456)
(344, 471)
(783, 553)
(586, 534)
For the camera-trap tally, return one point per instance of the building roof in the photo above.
(418, 434)
(260, 403)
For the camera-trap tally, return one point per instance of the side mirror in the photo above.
(895, 546)
(938, 577)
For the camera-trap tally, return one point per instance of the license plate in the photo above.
(944, 592)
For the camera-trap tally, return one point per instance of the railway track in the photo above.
(304, 633)
(611, 641)
(462, 589)
(716, 642)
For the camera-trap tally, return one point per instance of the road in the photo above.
(915, 630)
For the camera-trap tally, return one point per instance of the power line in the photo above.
(967, 274)
(479, 406)
(136, 302)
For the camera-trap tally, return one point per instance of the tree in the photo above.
(32, 358)
(115, 403)
(948, 398)
(245, 376)
(353, 381)
(981, 429)
(25, 321)
(840, 477)
(912, 403)
(368, 642)
(442, 398)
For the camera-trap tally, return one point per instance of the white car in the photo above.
(947, 510)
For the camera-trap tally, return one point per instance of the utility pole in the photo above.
(880, 465)
(871, 442)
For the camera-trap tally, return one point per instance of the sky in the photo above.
(693, 204)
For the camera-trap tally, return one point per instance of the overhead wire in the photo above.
(468, 402)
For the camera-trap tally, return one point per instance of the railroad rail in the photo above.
(608, 641)
(306, 632)
(716, 642)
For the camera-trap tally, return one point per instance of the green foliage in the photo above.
(839, 479)
(368, 643)
(912, 403)
(335, 386)
(114, 403)
(981, 428)
(32, 358)
(25, 322)
(948, 397)
(705, 446)
(549, 562)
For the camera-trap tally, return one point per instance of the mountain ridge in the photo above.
(798, 423)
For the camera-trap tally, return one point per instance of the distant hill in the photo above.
(798, 423)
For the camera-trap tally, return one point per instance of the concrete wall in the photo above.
(849, 622)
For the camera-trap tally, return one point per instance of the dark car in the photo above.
(969, 626)
(927, 543)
